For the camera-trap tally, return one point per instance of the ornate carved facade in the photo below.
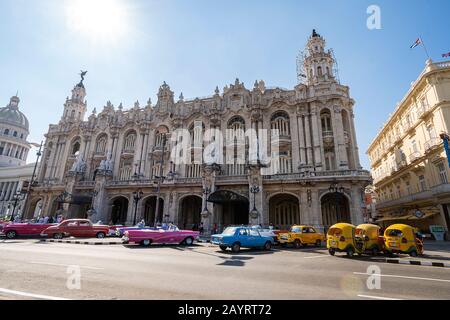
(102, 161)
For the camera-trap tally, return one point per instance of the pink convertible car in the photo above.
(173, 235)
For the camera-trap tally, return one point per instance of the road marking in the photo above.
(31, 295)
(65, 265)
(404, 277)
(377, 298)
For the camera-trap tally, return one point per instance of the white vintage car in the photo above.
(266, 232)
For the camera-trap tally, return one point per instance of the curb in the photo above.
(419, 263)
(90, 243)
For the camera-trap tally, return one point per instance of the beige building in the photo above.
(107, 160)
(409, 164)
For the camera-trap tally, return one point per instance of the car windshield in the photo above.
(335, 232)
(295, 229)
(394, 233)
(229, 231)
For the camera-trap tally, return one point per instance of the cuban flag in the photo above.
(418, 42)
(446, 55)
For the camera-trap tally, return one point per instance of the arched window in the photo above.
(325, 118)
(160, 135)
(236, 152)
(76, 148)
(100, 147)
(280, 123)
(6, 132)
(319, 71)
(130, 141)
(125, 171)
(15, 134)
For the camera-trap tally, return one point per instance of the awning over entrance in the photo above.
(226, 196)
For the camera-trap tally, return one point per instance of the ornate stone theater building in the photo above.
(114, 166)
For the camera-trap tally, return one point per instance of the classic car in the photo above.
(267, 232)
(241, 237)
(301, 236)
(82, 228)
(120, 231)
(172, 235)
(13, 230)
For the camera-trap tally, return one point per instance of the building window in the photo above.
(6, 132)
(76, 148)
(442, 173)
(408, 187)
(422, 183)
(130, 141)
(101, 145)
(399, 191)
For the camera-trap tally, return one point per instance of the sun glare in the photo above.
(101, 20)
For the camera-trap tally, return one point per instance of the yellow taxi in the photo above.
(300, 235)
(341, 238)
(401, 238)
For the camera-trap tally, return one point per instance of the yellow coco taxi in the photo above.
(301, 236)
(368, 239)
(401, 238)
(341, 238)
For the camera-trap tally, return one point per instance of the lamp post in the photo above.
(18, 196)
(254, 190)
(32, 182)
(338, 191)
(160, 178)
(137, 195)
(206, 191)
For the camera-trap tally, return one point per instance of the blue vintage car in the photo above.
(241, 237)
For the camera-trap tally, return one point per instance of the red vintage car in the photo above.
(172, 235)
(13, 230)
(81, 228)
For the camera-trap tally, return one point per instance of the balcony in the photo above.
(432, 143)
(414, 156)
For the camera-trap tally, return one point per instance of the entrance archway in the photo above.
(335, 208)
(119, 210)
(230, 207)
(150, 210)
(190, 213)
(35, 210)
(284, 211)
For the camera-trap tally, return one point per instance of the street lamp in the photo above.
(160, 178)
(206, 191)
(338, 191)
(137, 195)
(32, 182)
(254, 190)
(18, 196)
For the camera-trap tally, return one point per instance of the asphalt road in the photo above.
(30, 269)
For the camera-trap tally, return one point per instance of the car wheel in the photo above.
(223, 248)
(100, 235)
(331, 252)
(11, 234)
(146, 242)
(188, 241)
(318, 243)
(268, 246)
(413, 253)
(297, 244)
(58, 236)
(350, 252)
(236, 247)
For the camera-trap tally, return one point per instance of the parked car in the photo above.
(82, 228)
(172, 235)
(13, 230)
(120, 231)
(241, 237)
(300, 235)
(402, 238)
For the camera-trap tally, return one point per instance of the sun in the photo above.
(101, 20)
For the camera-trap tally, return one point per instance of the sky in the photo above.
(129, 47)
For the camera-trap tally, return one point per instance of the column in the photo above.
(338, 130)
(316, 141)
(301, 138)
(308, 142)
(294, 144)
(354, 142)
(144, 155)
(138, 152)
(356, 204)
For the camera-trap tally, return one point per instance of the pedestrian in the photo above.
(50, 220)
(46, 220)
(201, 228)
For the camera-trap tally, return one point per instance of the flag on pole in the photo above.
(446, 55)
(417, 43)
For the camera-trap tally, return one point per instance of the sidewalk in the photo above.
(92, 242)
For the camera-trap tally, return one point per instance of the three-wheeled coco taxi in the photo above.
(341, 238)
(401, 238)
(368, 239)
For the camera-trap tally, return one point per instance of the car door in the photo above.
(306, 237)
(314, 235)
(85, 229)
(71, 228)
(255, 238)
(243, 236)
